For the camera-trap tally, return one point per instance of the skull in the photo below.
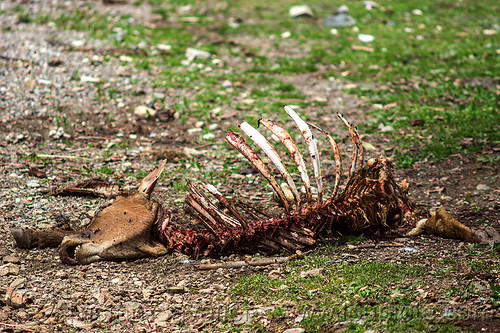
(120, 230)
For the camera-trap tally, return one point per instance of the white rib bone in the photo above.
(244, 148)
(269, 150)
(338, 161)
(289, 143)
(311, 146)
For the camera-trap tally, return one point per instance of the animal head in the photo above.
(120, 230)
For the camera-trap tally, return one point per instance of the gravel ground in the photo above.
(49, 98)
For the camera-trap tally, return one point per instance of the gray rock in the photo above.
(11, 259)
(163, 318)
(339, 21)
(9, 269)
(243, 319)
(312, 272)
(482, 187)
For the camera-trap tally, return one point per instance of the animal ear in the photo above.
(148, 184)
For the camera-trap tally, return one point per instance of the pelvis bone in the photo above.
(137, 226)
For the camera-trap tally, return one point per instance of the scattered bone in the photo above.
(92, 187)
(244, 263)
(443, 224)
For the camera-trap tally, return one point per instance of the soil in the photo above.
(50, 108)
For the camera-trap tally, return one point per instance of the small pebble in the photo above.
(33, 183)
(196, 54)
(482, 187)
(143, 111)
(387, 129)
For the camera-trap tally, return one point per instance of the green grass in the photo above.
(438, 67)
(366, 294)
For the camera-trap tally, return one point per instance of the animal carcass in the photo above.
(138, 226)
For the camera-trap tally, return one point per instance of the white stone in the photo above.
(125, 58)
(365, 38)
(192, 53)
(295, 330)
(86, 78)
(33, 183)
(194, 130)
(343, 9)
(143, 111)
(77, 43)
(387, 129)
(369, 5)
(164, 47)
(300, 10)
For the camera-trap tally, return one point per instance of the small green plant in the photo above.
(495, 293)
(106, 171)
(180, 186)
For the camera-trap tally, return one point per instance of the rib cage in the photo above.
(370, 200)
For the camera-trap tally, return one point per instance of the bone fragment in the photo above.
(311, 146)
(89, 187)
(443, 224)
(269, 150)
(243, 263)
(202, 215)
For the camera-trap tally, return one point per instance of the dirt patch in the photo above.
(58, 119)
